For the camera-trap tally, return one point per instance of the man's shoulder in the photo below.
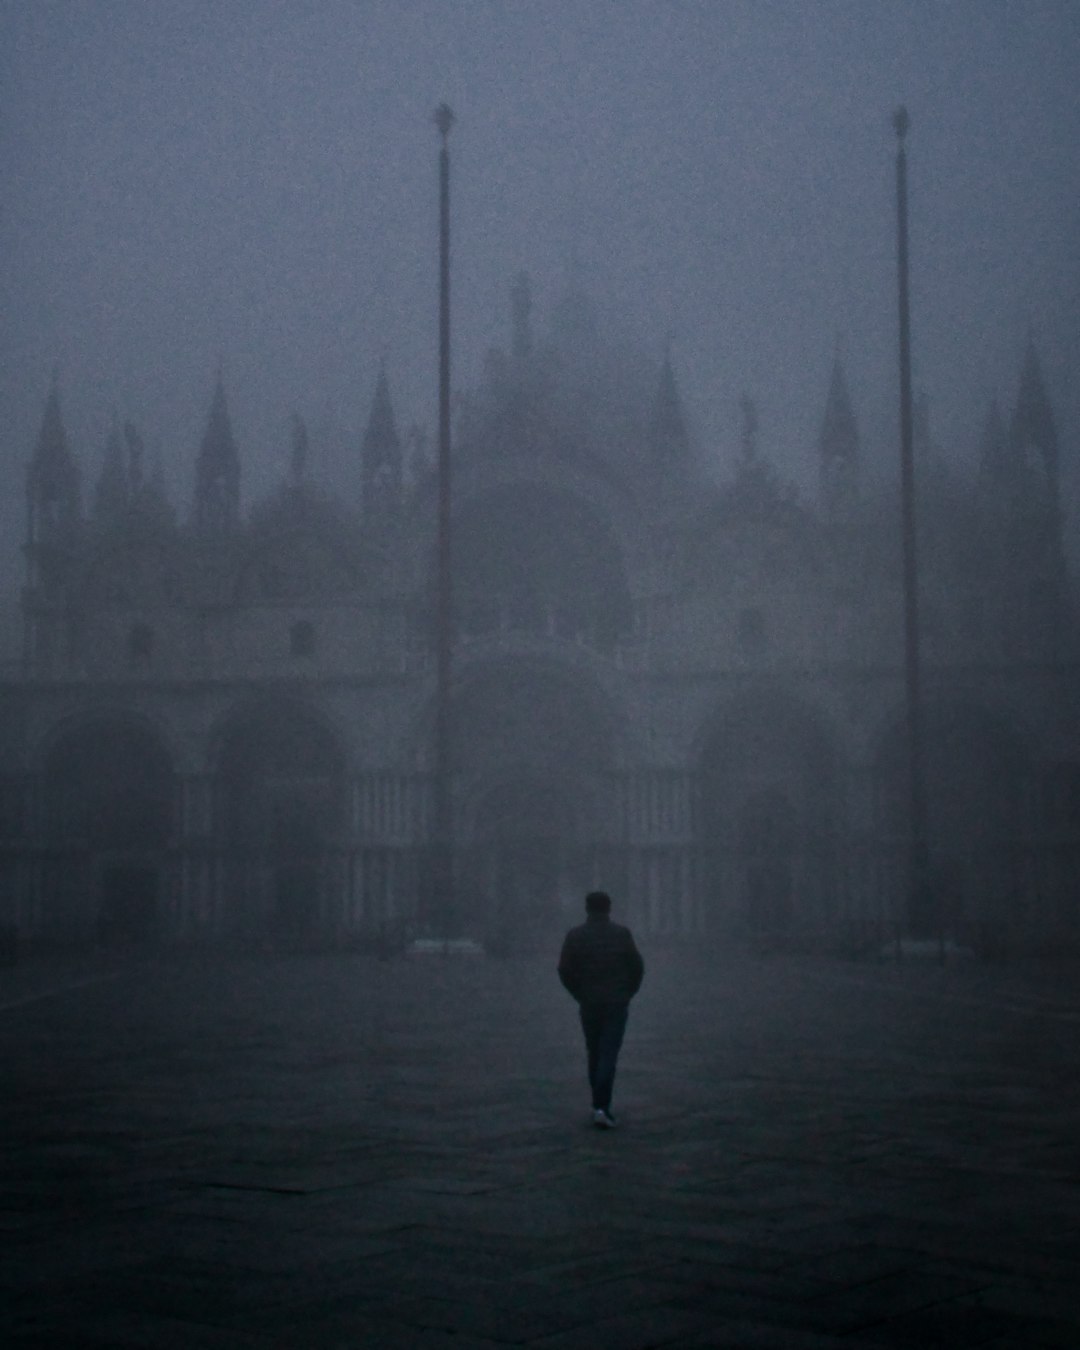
(606, 932)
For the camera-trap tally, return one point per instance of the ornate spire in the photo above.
(53, 477)
(217, 471)
(667, 427)
(381, 454)
(838, 445)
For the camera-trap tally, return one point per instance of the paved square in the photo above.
(342, 1152)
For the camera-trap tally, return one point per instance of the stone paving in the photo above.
(333, 1151)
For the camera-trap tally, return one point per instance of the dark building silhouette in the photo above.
(678, 685)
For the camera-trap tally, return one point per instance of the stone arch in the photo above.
(768, 817)
(48, 733)
(286, 707)
(533, 751)
(281, 823)
(108, 821)
(978, 775)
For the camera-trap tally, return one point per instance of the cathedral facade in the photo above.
(684, 687)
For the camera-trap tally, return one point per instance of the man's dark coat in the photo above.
(600, 963)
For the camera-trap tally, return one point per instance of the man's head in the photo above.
(598, 902)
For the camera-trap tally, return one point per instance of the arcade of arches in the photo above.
(534, 752)
(774, 836)
(108, 795)
(269, 866)
(281, 818)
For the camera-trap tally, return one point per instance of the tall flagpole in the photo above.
(918, 916)
(443, 872)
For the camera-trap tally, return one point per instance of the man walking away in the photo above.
(602, 968)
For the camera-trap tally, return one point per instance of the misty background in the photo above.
(253, 184)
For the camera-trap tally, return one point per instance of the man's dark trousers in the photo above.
(604, 1025)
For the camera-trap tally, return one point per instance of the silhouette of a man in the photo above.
(602, 968)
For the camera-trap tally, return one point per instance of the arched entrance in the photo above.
(524, 855)
(281, 818)
(108, 802)
(534, 749)
(767, 819)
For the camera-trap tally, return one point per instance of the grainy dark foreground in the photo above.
(337, 1152)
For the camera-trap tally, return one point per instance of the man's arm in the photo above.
(569, 972)
(635, 964)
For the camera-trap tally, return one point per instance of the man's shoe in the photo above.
(603, 1120)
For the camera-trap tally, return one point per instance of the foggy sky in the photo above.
(254, 182)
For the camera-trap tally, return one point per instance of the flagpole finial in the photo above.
(443, 119)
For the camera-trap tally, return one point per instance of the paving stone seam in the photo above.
(56, 991)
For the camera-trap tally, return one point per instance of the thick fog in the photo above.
(254, 185)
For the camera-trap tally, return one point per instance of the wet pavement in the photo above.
(341, 1152)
